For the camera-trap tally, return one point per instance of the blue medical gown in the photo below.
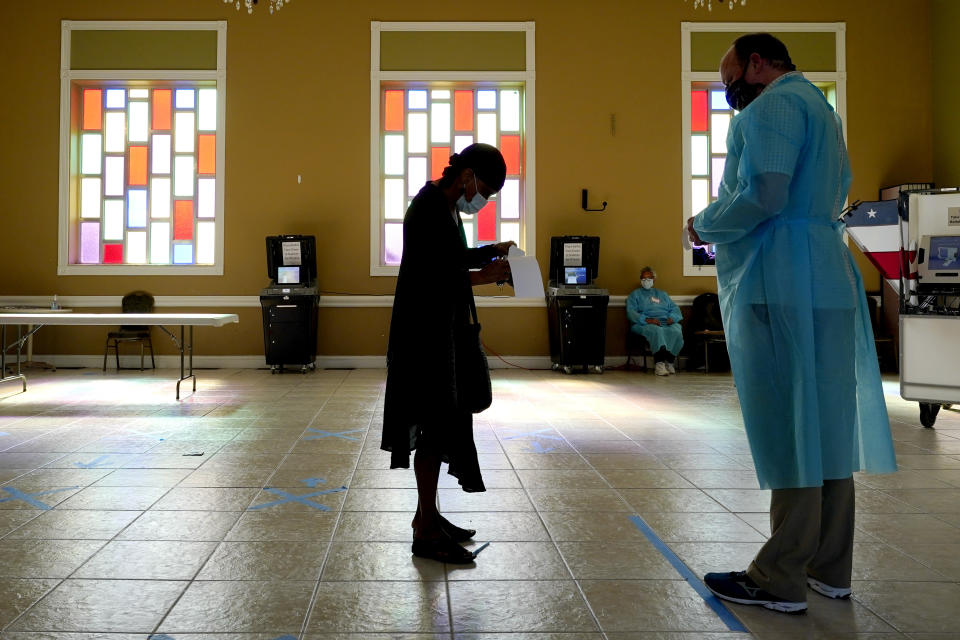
(794, 310)
(654, 303)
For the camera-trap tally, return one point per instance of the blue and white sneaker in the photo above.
(736, 586)
(837, 593)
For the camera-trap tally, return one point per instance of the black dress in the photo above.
(431, 300)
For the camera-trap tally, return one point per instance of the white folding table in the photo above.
(161, 320)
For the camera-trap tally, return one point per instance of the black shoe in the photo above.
(457, 534)
(442, 550)
(737, 586)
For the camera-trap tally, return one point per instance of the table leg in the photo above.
(3, 357)
(181, 344)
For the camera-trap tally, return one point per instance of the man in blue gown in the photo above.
(653, 315)
(799, 337)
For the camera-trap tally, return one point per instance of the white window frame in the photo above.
(68, 76)
(688, 77)
(527, 77)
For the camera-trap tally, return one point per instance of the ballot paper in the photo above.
(685, 238)
(525, 272)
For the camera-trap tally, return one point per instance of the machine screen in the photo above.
(575, 275)
(288, 275)
(944, 252)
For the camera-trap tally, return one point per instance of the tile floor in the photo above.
(261, 507)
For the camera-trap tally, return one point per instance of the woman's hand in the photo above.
(692, 233)
(669, 321)
(496, 271)
(503, 248)
(653, 320)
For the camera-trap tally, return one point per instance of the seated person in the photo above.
(653, 315)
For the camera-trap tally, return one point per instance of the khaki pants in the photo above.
(811, 534)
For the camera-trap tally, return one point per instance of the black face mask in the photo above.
(740, 93)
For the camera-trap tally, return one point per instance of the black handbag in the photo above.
(474, 392)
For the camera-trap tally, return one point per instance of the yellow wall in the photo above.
(298, 103)
(946, 93)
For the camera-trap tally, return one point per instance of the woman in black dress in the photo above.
(432, 300)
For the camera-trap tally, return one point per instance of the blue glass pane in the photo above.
(137, 208)
(718, 101)
(183, 254)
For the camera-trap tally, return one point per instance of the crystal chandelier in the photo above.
(250, 4)
(699, 3)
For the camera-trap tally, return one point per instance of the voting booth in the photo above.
(290, 303)
(576, 307)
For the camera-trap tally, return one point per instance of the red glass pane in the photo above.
(183, 220)
(393, 111)
(510, 148)
(161, 109)
(92, 107)
(439, 159)
(113, 254)
(487, 223)
(699, 115)
(207, 153)
(463, 110)
(138, 166)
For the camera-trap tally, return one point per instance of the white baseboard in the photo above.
(258, 362)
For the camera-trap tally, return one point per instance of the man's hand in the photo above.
(496, 271)
(692, 233)
(653, 321)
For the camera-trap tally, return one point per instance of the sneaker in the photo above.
(837, 593)
(737, 586)
(671, 369)
(661, 369)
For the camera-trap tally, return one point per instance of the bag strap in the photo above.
(469, 289)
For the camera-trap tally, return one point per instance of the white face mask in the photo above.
(646, 283)
(476, 203)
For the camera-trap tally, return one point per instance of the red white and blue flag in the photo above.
(875, 228)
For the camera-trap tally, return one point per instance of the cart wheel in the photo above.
(273, 371)
(303, 369)
(948, 406)
(928, 413)
(555, 366)
(598, 368)
(568, 370)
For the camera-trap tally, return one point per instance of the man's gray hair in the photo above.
(650, 269)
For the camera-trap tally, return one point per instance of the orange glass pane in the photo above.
(510, 148)
(393, 111)
(487, 223)
(92, 108)
(138, 166)
(161, 109)
(463, 110)
(698, 111)
(183, 220)
(439, 159)
(207, 153)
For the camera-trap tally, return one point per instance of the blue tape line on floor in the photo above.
(90, 465)
(539, 433)
(539, 448)
(16, 494)
(302, 499)
(712, 601)
(331, 434)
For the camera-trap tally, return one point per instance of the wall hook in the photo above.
(583, 202)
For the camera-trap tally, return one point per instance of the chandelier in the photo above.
(250, 4)
(699, 3)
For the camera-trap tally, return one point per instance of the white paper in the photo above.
(685, 239)
(291, 253)
(572, 254)
(525, 272)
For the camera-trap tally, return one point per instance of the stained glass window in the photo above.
(710, 117)
(148, 173)
(418, 125)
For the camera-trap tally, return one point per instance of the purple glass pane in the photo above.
(393, 243)
(90, 242)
